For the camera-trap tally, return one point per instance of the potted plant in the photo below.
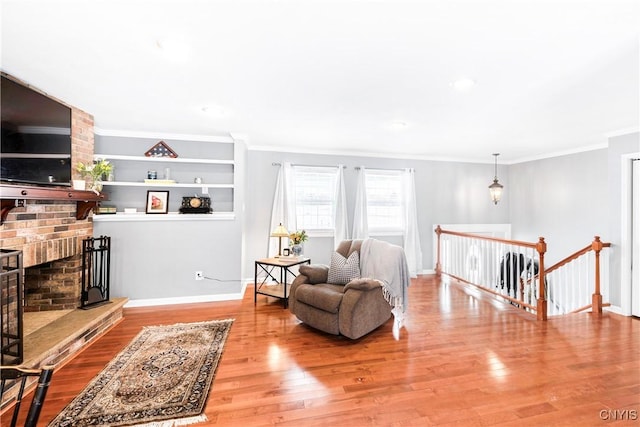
(95, 172)
(296, 240)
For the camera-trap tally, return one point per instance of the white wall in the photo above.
(563, 199)
(570, 199)
(157, 260)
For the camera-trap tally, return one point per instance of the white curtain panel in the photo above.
(412, 248)
(289, 198)
(360, 223)
(283, 209)
(341, 231)
(277, 214)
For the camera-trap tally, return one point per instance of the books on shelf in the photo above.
(103, 210)
(160, 181)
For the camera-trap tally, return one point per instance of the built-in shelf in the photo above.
(12, 196)
(171, 216)
(177, 184)
(183, 177)
(35, 156)
(162, 159)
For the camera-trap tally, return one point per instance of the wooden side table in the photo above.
(274, 284)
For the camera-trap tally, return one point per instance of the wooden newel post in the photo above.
(596, 298)
(438, 265)
(541, 313)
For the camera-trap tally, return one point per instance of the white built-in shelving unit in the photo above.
(131, 166)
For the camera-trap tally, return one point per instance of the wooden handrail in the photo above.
(574, 256)
(439, 231)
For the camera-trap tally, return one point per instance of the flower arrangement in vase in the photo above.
(296, 240)
(96, 172)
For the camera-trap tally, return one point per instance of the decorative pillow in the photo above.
(342, 270)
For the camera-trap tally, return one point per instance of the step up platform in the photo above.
(60, 340)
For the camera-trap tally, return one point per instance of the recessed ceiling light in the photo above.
(214, 111)
(172, 49)
(398, 125)
(463, 85)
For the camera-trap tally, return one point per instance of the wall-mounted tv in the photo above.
(36, 137)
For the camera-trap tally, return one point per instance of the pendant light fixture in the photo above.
(495, 189)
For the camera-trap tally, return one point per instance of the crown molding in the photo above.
(621, 132)
(161, 135)
(399, 156)
(561, 153)
(402, 156)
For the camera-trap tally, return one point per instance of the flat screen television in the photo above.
(36, 137)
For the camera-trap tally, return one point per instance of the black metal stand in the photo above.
(11, 290)
(281, 287)
(96, 268)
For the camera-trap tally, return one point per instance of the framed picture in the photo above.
(157, 202)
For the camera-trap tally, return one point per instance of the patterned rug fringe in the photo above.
(204, 322)
(176, 423)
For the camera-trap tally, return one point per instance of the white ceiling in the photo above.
(334, 76)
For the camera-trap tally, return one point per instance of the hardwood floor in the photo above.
(462, 359)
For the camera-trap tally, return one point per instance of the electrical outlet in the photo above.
(199, 275)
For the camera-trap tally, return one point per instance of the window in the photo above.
(315, 189)
(384, 200)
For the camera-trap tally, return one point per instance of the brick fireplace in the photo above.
(49, 233)
(50, 236)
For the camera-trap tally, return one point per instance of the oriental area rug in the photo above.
(162, 378)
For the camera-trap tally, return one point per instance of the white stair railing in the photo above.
(514, 271)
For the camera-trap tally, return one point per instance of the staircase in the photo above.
(515, 271)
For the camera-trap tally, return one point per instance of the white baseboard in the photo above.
(186, 300)
(616, 310)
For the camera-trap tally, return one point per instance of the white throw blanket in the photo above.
(387, 264)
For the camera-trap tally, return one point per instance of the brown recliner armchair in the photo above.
(353, 309)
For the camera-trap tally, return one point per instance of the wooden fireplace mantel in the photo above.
(12, 196)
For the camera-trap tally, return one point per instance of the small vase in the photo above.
(96, 187)
(296, 250)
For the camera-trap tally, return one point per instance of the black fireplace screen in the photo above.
(96, 266)
(11, 307)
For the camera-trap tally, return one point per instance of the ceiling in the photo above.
(351, 77)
